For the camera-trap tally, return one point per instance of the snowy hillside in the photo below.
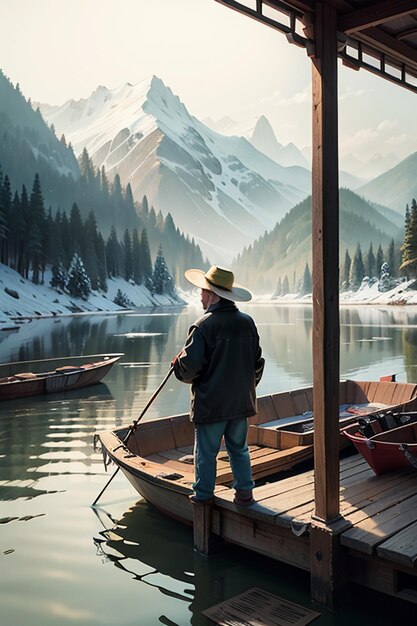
(219, 189)
(20, 298)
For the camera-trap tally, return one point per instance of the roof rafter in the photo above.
(376, 14)
(390, 45)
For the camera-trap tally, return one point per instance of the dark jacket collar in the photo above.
(222, 305)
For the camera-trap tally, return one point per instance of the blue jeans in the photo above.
(208, 438)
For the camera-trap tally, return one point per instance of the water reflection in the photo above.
(50, 474)
(129, 543)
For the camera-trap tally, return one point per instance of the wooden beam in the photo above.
(329, 566)
(299, 5)
(257, 15)
(325, 203)
(406, 33)
(205, 542)
(325, 552)
(388, 44)
(375, 14)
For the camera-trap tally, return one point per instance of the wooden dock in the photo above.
(378, 529)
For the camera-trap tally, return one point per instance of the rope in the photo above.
(410, 458)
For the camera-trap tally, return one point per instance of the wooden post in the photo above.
(325, 549)
(325, 201)
(205, 542)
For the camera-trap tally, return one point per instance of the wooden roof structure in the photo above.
(378, 35)
(381, 37)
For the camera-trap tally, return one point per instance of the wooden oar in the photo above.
(133, 427)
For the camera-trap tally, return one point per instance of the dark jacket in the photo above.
(223, 362)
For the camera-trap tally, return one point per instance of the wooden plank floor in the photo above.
(381, 509)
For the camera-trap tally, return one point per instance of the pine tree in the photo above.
(5, 210)
(86, 167)
(409, 247)
(78, 283)
(104, 183)
(278, 288)
(162, 279)
(121, 299)
(23, 255)
(128, 259)
(76, 228)
(146, 262)
(67, 243)
(357, 270)
(136, 258)
(36, 228)
(306, 286)
(101, 262)
(346, 270)
(285, 286)
(90, 250)
(113, 254)
(59, 277)
(145, 207)
(13, 234)
(379, 260)
(370, 263)
(391, 258)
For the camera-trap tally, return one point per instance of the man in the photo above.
(223, 362)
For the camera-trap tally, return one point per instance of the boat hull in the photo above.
(388, 451)
(155, 456)
(64, 378)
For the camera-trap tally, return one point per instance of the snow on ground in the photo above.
(404, 293)
(43, 301)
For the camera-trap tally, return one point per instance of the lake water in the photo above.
(125, 564)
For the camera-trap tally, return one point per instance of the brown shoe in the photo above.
(195, 500)
(243, 497)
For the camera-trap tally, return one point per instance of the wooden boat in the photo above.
(157, 457)
(29, 378)
(387, 441)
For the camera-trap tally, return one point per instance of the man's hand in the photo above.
(176, 357)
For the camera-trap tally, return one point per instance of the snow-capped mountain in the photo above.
(261, 135)
(373, 167)
(219, 189)
(263, 138)
(259, 132)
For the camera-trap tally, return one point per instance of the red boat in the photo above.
(64, 375)
(387, 441)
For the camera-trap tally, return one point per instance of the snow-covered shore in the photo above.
(20, 298)
(36, 301)
(404, 293)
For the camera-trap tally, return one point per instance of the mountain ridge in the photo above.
(286, 249)
(146, 135)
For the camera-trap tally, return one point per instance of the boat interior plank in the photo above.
(155, 436)
(283, 405)
(183, 430)
(300, 401)
(266, 411)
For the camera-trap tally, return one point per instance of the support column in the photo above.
(325, 547)
(206, 542)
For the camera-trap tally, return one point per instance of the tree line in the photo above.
(31, 239)
(384, 266)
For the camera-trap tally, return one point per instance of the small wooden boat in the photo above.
(157, 456)
(387, 441)
(29, 378)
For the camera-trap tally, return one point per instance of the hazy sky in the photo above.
(217, 61)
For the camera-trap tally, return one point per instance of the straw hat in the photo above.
(220, 281)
